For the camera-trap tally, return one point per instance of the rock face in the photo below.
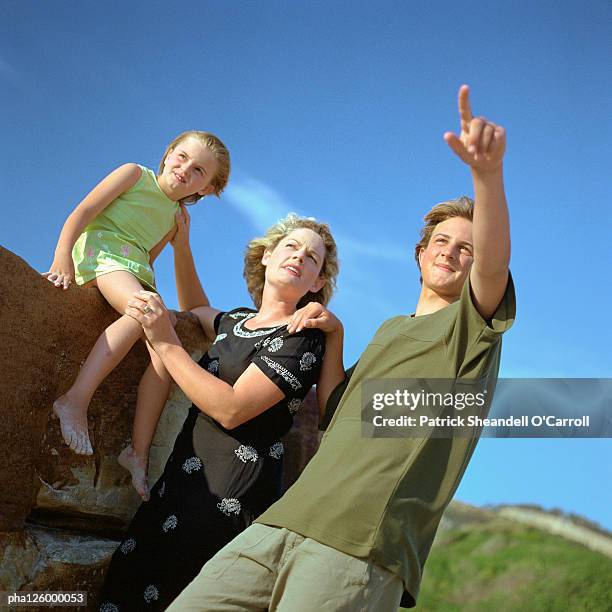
(44, 559)
(46, 335)
(73, 503)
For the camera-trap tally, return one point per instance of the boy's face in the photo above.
(189, 168)
(447, 259)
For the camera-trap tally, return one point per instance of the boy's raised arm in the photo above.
(481, 145)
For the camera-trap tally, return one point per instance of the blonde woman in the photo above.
(226, 465)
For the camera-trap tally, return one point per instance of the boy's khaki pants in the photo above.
(269, 568)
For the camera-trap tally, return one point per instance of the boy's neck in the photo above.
(430, 301)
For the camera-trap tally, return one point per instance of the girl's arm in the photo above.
(315, 315)
(191, 295)
(61, 272)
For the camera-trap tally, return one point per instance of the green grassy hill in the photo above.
(482, 561)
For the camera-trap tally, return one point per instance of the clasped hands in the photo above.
(156, 320)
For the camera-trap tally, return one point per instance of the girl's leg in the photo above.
(153, 393)
(111, 347)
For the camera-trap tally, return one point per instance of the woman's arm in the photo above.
(61, 272)
(315, 315)
(251, 394)
(191, 295)
(231, 406)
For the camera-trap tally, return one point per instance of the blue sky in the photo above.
(336, 110)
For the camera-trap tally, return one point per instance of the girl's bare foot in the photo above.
(137, 466)
(73, 422)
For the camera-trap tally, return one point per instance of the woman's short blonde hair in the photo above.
(255, 271)
(219, 152)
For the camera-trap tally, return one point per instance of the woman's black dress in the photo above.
(216, 481)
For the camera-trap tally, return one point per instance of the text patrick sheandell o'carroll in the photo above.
(511, 408)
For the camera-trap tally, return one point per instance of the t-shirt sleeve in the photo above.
(292, 361)
(217, 321)
(334, 398)
(471, 336)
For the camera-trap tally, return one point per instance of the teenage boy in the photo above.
(355, 530)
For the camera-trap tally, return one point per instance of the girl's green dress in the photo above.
(122, 235)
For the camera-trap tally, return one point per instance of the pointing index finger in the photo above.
(465, 110)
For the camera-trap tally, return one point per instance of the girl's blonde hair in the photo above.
(255, 271)
(219, 152)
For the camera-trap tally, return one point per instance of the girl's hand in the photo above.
(314, 315)
(482, 143)
(61, 272)
(149, 310)
(183, 222)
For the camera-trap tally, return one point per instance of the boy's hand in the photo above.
(314, 315)
(61, 272)
(183, 221)
(482, 143)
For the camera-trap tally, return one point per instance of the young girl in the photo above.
(110, 241)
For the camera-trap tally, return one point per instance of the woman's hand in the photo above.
(314, 315)
(149, 310)
(183, 222)
(61, 272)
(481, 143)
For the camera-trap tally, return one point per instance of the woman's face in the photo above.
(294, 265)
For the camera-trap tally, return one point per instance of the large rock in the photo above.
(74, 503)
(45, 559)
(46, 335)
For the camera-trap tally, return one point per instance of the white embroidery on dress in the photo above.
(219, 338)
(284, 372)
(246, 333)
(229, 505)
(294, 405)
(237, 315)
(170, 523)
(193, 464)
(276, 450)
(107, 606)
(213, 366)
(128, 546)
(275, 344)
(151, 593)
(100, 234)
(307, 361)
(162, 489)
(246, 453)
(266, 342)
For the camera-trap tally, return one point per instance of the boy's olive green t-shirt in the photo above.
(383, 498)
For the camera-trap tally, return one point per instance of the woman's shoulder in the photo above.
(308, 337)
